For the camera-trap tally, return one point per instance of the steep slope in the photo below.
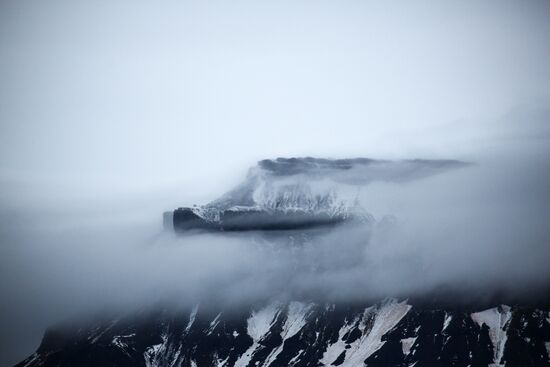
(388, 333)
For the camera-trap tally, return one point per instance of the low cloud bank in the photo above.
(483, 226)
(298, 181)
(479, 230)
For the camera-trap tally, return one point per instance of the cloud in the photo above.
(357, 171)
(320, 182)
(480, 231)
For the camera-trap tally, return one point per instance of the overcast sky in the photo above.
(167, 103)
(137, 95)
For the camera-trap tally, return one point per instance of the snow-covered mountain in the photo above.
(447, 327)
(388, 333)
(309, 191)
(314, 184)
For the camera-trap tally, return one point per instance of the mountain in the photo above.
(300, 325)
(298, 193)
(388, 333)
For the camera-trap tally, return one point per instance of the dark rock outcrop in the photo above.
(389, 333)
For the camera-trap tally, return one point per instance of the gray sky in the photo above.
(113, 111)
(138, 94)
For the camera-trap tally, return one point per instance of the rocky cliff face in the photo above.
(389, 333)
(297, 193)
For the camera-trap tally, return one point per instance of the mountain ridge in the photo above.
(391, 332)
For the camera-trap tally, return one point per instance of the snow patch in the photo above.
(120, 341)
(258, 324)
(447, 321)
(496, 319)
(335, 349)
(295, 320)
(150, 354)
(213, 324)
(192, 318)
(375, 322)
(295, 358)
(222, 363)
(406, 345)
(153, 354)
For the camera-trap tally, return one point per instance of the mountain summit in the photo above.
(298, 193)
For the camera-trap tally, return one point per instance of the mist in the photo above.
(476, 231)
(113, 112)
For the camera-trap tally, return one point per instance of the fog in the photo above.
(479, 230)
(114, 112)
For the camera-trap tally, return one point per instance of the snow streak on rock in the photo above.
(375, 323)
(391, 333)
(258, 325)
(295, 320)
(496, 319)
(406, 345)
